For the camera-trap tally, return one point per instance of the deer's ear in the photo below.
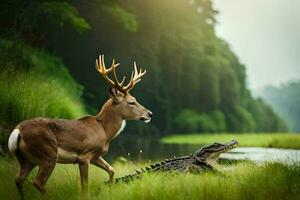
(115, 95)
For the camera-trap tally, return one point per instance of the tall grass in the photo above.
(238, 181)
(278, 140)
(34, 84)
(27, 95)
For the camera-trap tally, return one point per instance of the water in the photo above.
(145, 149)
(261, 155)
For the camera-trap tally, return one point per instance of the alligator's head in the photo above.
(211, 153)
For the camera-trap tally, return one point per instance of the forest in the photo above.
(285, 101)
(194, 81)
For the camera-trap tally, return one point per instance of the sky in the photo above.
(265, 35)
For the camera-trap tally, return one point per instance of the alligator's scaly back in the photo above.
(199, 161)
(180, 164)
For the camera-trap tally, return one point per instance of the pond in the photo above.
(260, 155)
(146, 149)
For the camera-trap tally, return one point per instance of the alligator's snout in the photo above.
(211, 153)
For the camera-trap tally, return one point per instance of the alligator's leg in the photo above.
(100, 162)
(206, 165)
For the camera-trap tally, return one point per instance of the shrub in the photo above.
(220, 121)
(189, 120)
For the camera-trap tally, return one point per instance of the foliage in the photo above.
(34, 84)
(285, 99)
(276, 140)
(262, 111)
(188, 66)
(220, 122)
(29, 19)
(122, 16)
(242, 120)
(18, 56)
(244, 181)
(190, 120)
(64, 13)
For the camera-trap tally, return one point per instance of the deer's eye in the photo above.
(131, 103)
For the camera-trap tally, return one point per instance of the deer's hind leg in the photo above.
(25, 168)
(43, 152)
(46, 158)
(45, 170)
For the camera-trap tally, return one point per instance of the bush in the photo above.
(220, 120)
(206, 123)
(189, 120)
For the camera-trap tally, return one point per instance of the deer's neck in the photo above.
(111, 120)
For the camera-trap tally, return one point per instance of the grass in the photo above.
(276, 140)
(239, 181)
(34, 83)
(28, 95)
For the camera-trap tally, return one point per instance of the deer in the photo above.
(43, 142)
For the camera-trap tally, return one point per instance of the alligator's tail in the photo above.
(165, 165)
(125, 179)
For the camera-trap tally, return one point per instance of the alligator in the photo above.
(202, 160)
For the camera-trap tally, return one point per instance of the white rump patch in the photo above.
(13, 140)
(121, 128)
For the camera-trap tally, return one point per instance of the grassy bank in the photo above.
(34, 83)
(278, 140)
(240, 181)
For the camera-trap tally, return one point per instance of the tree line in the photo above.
(194, 81)
(285, 99)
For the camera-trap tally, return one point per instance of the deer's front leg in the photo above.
(100, 162)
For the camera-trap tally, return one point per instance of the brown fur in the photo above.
(45, 141)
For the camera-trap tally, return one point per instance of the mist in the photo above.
(265, 36)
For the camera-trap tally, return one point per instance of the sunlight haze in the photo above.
(265, 34)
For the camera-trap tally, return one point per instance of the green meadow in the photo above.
(195, 83)
(275, 140)
(238, 181)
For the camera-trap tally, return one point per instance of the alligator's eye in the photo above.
(131, 103)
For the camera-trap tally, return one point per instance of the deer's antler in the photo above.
(135, 75)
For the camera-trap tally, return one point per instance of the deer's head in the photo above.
(125, 104)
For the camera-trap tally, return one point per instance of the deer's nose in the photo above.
(150, 114)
